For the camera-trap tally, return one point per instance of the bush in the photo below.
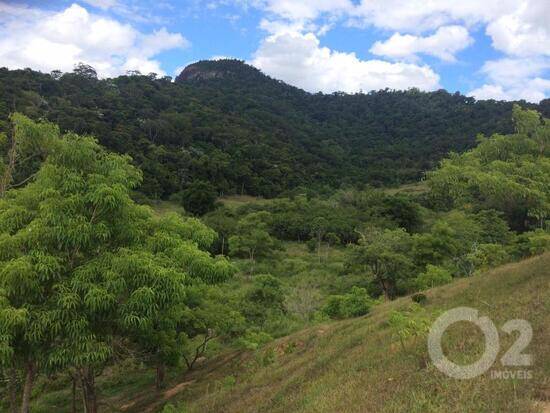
(199, 198)
(419, 298)
(354, 304)
(252, 340)
(433, 277)
(533, 243)
(311, 245)
(410, 324)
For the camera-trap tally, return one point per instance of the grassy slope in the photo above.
(357, 365)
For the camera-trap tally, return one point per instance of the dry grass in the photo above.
(356, 365)
(235, 201)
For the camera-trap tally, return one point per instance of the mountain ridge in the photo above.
(229, 125)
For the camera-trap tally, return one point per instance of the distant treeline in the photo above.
(227, 126)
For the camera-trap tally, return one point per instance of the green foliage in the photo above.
(199, 198)
(242, 131)
(353, 304)
(433, 277)
(419, 298)
(252, 340)
(385, 255)
(507, 173)
(253, 239)
(533, 243)
(410, 324)
(85, 270)
(404, 211)
(267, 292)
(264, 299)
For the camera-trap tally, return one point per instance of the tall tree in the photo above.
(85, 272)
(385, 256)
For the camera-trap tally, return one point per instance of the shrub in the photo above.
(433, 277)
(533, 243)
(411, 323)
(354, 304)
(252, 340)
(419, 298)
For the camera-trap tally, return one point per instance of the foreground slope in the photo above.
(357, 365)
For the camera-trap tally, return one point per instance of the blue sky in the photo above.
(491, 49)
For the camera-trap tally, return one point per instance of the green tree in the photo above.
(433, 277)
(224, 222)
(84, 270)
(25, 144)
(353, 304)
(253, 239)
(507, 173)
(199, 198)
(386, 255)
(209, 315)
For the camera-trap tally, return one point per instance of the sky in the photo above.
(489, 49)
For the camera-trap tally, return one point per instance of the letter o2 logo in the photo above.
(492, 345)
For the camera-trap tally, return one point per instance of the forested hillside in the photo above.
(224, 127)
(101, 293)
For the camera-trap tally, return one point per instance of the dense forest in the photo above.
(223, 127)
(97, 289)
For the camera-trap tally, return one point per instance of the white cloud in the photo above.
(102, 4)
(515, 78)
(444, 44)
(421, 15)
(47, 41)
(400, 15)
(306, 9)
(525, 32)
(518, 28)
(532, 90)
(299, 60)
(277, 27)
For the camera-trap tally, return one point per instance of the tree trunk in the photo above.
(386, 289)
(73, 409)
(6, 178)
(27, 389)
(13, 390)
(161, 374)
(319, 239)
(87, 380)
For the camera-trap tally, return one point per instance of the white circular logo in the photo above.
(447, 366)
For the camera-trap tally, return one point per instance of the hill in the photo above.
(358, 365)
(242, 132)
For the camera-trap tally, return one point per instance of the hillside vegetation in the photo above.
(224, 127)
(359, 365)
(106, 292)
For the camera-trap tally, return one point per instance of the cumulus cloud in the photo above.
(299, 60)
(102, 4)
(518, 28)
(514, 79)
(524, 32)
(444, 44)
(47, 41)
(421, 15)
(400, 15)
(306, 9)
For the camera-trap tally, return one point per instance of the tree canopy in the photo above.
(227, 124)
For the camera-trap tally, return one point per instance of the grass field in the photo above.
(358, 365)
